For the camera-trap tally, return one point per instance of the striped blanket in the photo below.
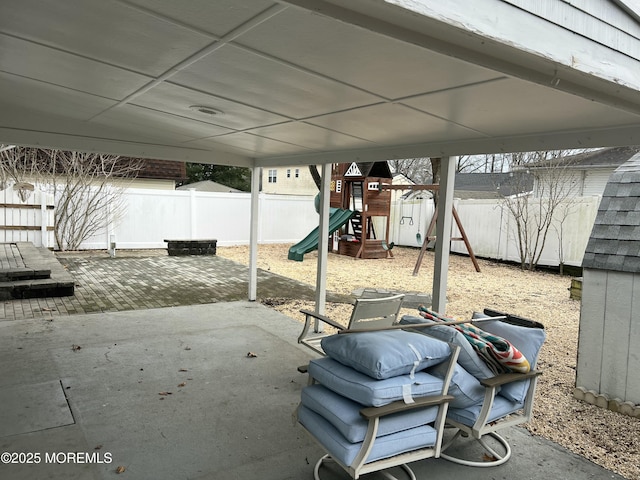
(498, 353)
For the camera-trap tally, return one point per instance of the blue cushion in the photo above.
(344, 451)
(385, 354)
(468, 357)
(468, 415)
(370, 392)
(466, 388)
(528, 341)
(344, 414)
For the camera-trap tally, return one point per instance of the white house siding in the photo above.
(595, 180)
(514, 23)
(608, 330)
(599, 20)
(288, 183)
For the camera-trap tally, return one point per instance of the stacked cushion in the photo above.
(386, 354)
(344, 414)
(368, 391)
(385, 446)
(372, 369)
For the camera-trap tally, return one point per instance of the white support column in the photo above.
(443, 234)
(253, 234)
(323, 241)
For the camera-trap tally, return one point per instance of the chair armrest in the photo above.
(505, 378)
(400, 406)
(322, 318)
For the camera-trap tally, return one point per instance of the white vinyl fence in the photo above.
(26, 216)
(153, 216)
(492, 231)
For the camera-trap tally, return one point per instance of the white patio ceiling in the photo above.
(307, 81)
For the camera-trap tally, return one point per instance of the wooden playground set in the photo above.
(365, 190)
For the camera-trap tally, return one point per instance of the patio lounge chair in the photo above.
(371, 406)
(367, 313)
(485, 402)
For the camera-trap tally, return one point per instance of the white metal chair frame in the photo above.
(373, 414)
(367, 313)
(482, 427)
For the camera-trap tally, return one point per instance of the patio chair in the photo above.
(367, 313)
(493, 402)
(371, 406)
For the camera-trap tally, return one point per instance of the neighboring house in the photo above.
(160, 174)
(294, 180)
(590, 171)
(208, 186)
(492, 185)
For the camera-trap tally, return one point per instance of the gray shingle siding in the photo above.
(615, 239)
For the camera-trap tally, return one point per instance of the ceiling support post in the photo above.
(323, 240)
(443, 234)
(253, 233)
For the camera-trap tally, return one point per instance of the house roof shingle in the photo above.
(602, 158)
(493, 185)
(163, 169)
(614, 243)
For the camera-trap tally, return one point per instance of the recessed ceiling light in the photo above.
(206, 110)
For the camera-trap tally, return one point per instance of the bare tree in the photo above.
(562, 213)
(87, 187)
(534, 212)
(417, 169)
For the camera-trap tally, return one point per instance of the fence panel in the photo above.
(27, 216)
(152, 216)
(491, 230)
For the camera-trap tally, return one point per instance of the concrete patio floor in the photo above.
(170, 393)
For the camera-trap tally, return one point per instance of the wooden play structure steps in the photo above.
(30, 272)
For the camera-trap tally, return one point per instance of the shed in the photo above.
(609, 338)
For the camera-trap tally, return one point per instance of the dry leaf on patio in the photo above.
(75, 347)
(183, 370)
(251, 355)
(165, 393)
(97, 447)
(120, 469)
(183, 384)
(187, 348)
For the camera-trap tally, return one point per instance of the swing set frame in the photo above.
(429, 237)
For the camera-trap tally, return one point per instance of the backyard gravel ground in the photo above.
(609, 439)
